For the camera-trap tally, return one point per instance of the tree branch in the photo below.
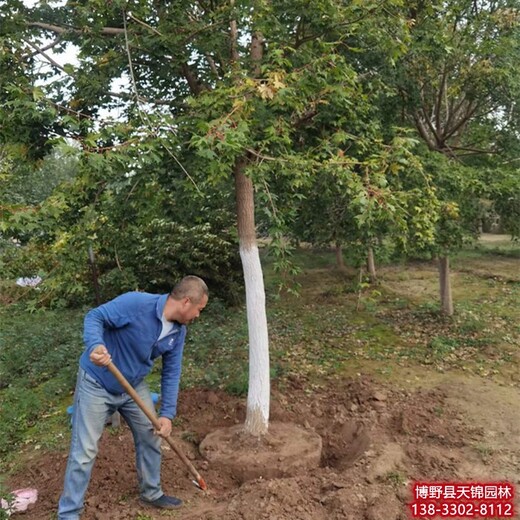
(46, 56)
(212, 65)
(463, 120)
(438, 103)
(107, 31)
(265, 157)
(41, 50)
(193, 82)
(471, 151)
(141, 99)
(300, 41)
(144, 24)
(423, 132)
(428, 122)
(455, 109)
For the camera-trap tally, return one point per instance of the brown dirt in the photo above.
(377, 438)
(285, 451)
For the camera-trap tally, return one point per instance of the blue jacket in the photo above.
(129, 327)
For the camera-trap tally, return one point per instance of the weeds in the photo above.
(6, 498)
(442, 346)
(396, 478)
(37, 347)
(191, 437)
(484, 451)
(20, 410)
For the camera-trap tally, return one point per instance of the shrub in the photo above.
(150, 258)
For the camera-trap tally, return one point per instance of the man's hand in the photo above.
(100, 356)
(166, 427)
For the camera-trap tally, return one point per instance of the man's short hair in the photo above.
(191, 287)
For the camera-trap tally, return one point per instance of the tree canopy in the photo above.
(163, 100)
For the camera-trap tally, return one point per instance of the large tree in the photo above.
(459, 87)
(213, 92)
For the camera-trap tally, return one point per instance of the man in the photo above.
(132, 330)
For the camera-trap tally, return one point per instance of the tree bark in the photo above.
(192, 79)
(445, 286)
(371, 265)
(257, 53)
(340, 262)
(233, 38)
(257, 415)
(94, 272)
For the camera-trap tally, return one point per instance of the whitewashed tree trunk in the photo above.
(257, 415)
(445, 286)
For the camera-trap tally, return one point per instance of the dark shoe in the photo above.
(164, 502)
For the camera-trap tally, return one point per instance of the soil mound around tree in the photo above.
(376, 440)
(285, 451)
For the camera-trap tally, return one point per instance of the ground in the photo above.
(396, 394)
(377, 439)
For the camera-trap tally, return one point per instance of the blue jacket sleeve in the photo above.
(170, 378)
(114, 314)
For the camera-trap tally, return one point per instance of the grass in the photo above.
(503, 247)
(396, 478)
(38, 362)
(334, 326)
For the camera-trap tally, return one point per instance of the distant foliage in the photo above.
(505, 193)
(145, 229)
(162, 252)
(149, 258)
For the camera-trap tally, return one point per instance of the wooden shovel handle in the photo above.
(151, 415)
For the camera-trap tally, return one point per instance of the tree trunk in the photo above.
(445, 286)
(94, 272)
(257, 416)
(340, 263)
(371, 265)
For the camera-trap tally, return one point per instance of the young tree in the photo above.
(459, 190)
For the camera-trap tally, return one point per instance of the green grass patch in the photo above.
(504, 248)
(217, 350)
(39, 355)
(36, 347)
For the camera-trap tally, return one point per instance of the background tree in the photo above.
(460, 74)
(459, 190)
(383, 201)
(458, 86)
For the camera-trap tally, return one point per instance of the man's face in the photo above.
(191, 311)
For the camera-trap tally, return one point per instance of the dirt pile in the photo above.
(376, 440)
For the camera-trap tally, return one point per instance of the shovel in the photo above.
(199, 481)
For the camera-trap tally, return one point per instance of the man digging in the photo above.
(132, 330)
